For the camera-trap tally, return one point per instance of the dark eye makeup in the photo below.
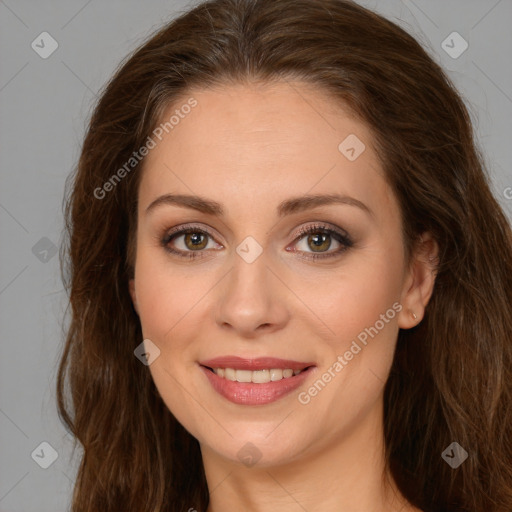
(320, 234)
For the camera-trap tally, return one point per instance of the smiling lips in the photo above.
(256, 376)
(254, 381)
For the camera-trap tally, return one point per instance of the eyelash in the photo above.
(339, 236)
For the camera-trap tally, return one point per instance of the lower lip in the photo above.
(249, 393)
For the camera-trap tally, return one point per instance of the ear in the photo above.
(419, 281)
(131, 286)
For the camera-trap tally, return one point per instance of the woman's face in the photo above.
(253, 288)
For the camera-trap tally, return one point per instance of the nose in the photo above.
(252, 300)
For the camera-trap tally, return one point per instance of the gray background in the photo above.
(45, 104)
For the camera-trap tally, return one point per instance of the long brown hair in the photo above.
(451, 379)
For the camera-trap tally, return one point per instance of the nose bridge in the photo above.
(250, 297)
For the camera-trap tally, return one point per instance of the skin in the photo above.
(249, 147)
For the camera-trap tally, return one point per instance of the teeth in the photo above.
(260, 376)
(229, 373)
(243, 375)
(276, 374)
(257, 376)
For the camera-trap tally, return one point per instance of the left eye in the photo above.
(318, 241)
(319, 238)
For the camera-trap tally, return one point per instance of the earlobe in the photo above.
(131, 286)
(419, 285)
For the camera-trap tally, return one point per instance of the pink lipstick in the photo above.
(255, 381)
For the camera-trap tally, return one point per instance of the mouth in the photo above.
(255, 376)
(255, 381)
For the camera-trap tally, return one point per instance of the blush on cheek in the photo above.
(354, 307)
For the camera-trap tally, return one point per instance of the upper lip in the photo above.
(259, 363)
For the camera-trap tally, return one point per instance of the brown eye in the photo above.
(188, 242)
(195, 240)
(319, 242)
(318, 239)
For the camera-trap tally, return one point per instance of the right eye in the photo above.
(194, 240)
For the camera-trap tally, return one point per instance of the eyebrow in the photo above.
(286, 207)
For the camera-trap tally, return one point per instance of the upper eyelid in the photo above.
(299, 233)
(341, 236)
(179, 230)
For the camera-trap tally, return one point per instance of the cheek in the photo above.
(167, 302)
(165, 295)
(353, 297)
(359, 310)
(362, 313)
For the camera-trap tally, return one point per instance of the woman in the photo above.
(290, 282)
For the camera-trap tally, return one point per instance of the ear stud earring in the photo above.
(414, 316)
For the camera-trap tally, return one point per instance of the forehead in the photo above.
(262, 141)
